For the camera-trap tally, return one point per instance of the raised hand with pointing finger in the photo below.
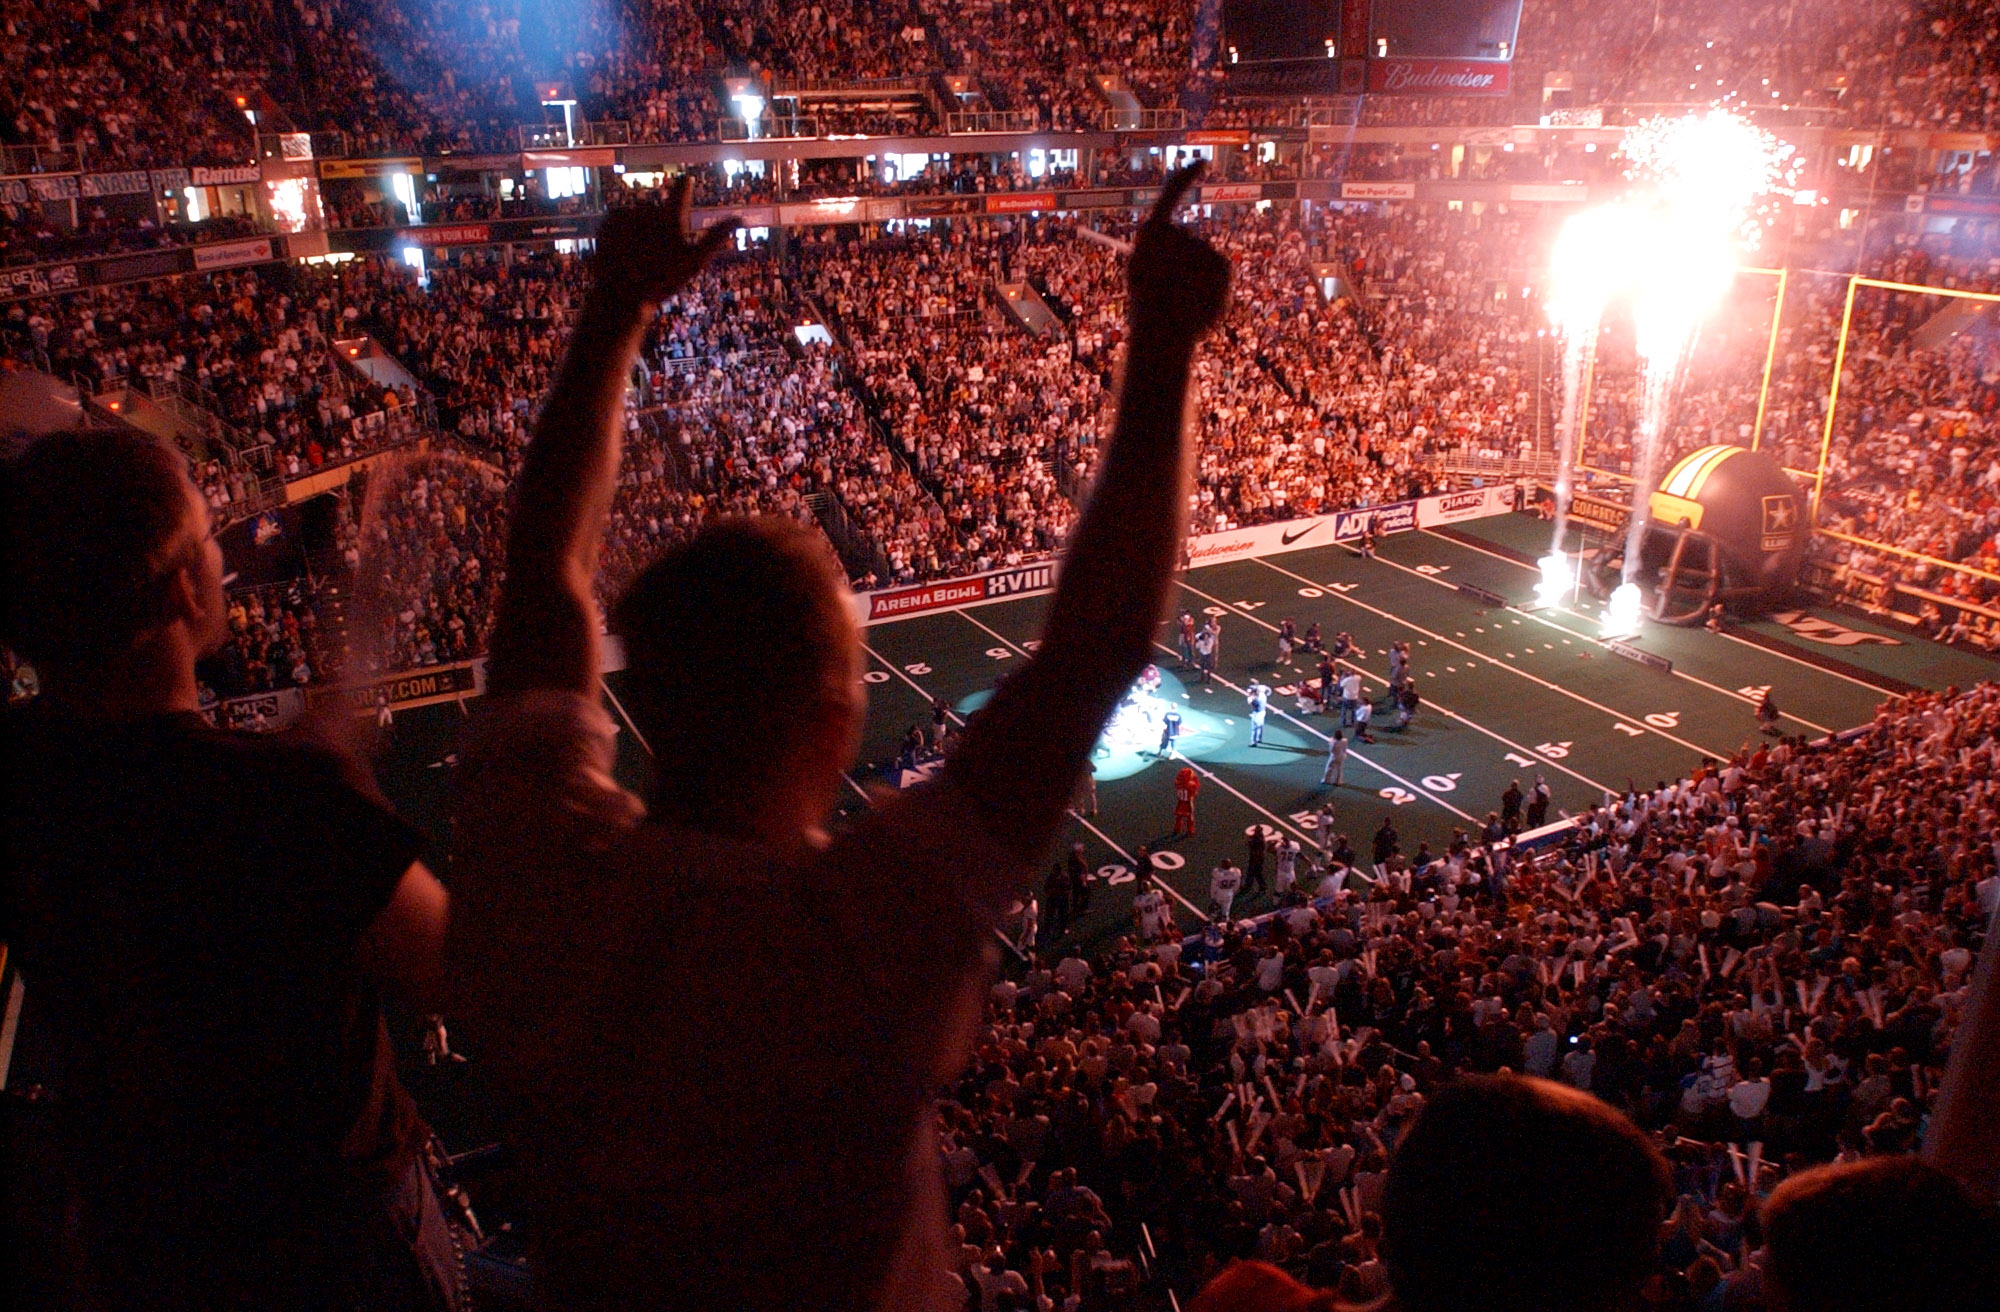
(1180, 284)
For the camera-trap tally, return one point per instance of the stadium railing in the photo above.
(62, 157)
(768, 128)
(991, 120)
(833, 87)
(1144, 120)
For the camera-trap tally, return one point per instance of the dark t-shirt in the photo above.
(185, 905)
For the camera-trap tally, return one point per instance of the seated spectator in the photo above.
(1513, 1193)
(1507, 1193)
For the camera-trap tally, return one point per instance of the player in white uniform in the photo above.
(1223, 882)
(1259, 698)
(1286, 868)
(1336, 759)
(1149, 908)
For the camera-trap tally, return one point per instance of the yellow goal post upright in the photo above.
(1854, 284)
(1784, 277)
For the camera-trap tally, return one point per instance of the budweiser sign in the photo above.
(1236, 191)
(1438, 77)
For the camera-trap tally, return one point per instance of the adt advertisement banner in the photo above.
(1395, 517)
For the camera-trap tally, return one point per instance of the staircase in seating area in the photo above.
(171, 410)
(1027, 310)
(332, 601)
(857, 550)
(1122, 107)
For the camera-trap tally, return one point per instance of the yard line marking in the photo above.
(1152, 875)
(1439, 707)
(1676, 673)
(1223, 784)
(1281, 711)
(1818, 669)
(1336, 595)
(1783, 656)
(1352, 755)
(1379, 769)
(897, 670)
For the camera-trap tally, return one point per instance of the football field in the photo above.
(1509, 693)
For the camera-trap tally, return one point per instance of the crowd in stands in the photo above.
(939, 434)
(1762, 965)
(132, 83)
(252, 348)
(28, 237)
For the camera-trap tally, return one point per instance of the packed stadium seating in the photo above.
(392, 76)
(1694, 954)
(1765, 962)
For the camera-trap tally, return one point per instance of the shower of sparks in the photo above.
(1702, 190)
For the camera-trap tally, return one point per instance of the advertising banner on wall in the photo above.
(1378, 191)
(229, 254)
(896, 603)
(1232, 191)
(1019, 202)
(1457, 507)
(1438, 77)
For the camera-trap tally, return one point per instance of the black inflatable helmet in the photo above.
(1746, 504)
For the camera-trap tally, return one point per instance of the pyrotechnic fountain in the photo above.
(1672, 246)
(1583, 272)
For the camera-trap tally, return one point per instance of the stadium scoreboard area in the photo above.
(1392, 47)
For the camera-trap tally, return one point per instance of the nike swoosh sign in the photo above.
(1287, 539)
